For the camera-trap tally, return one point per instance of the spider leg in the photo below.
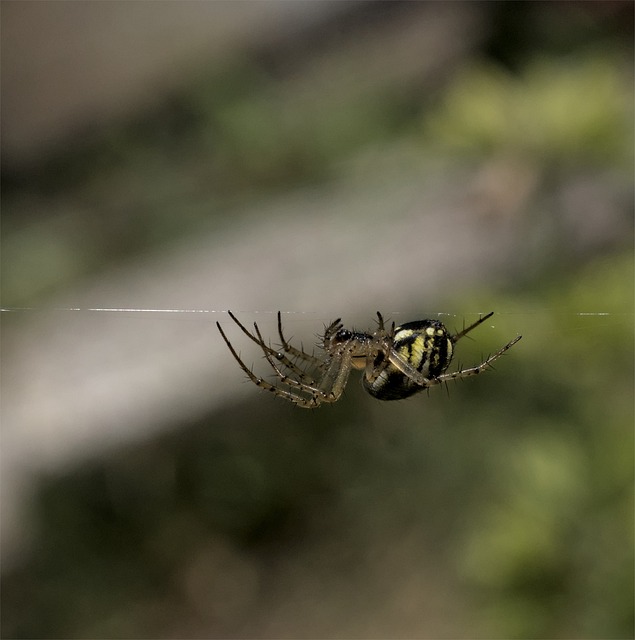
(372, 371)
(336, 375)
(330, 387)
(381, 328)
(383, 343)
(328, 390)
(331, 330)
(466, 330)
(296, 353)
(332, 384)
(252, 376)
(472, 371)
(268, 351)
(305, 380)
(408, 370)
(308, 403)
(251, 336)
(305, 392)
(261, 343)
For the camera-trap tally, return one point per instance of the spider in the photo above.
(397, 361)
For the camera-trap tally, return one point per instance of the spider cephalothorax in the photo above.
(397, 362)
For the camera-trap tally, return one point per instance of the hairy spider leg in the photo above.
(297, 353)
(272, 355)
(372, 372)
(339, 369)
(472, 371)
(408, 370)
(331, 386)
(261, 382)
(329, 389)
(455, 338)
(268, 351)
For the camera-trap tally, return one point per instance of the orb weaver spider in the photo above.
(397, 361)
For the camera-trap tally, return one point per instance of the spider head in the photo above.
(343, 335)
(354, 341)
(346, 336)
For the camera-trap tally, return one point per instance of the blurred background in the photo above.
(328, 159)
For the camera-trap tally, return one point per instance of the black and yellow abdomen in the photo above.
(426, 346)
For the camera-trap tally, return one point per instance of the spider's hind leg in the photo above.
(455, 338)
(472, 371)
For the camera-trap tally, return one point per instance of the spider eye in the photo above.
(343, 335)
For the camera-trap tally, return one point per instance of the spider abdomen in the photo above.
(426, 346)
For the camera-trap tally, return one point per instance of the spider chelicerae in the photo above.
(397, 361)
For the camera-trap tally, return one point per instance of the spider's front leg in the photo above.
(300, 354)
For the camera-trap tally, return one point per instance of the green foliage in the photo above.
(556, 112)
(556, 532)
